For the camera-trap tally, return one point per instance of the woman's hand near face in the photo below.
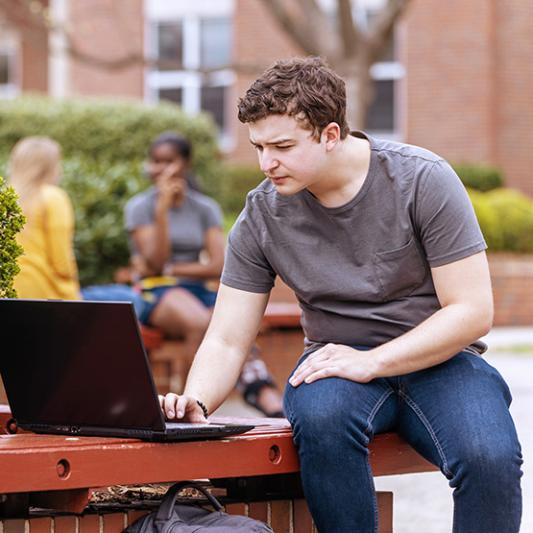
(171, 185)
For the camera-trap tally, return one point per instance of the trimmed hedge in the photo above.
(104, 145)
(506, 219)
(235, 181)
(479, 177)
(105, 131)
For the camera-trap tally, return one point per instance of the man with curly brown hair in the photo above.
(380, 243)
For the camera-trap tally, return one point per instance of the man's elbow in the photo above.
(483, 318)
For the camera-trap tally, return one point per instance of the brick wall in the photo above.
(283, 516)
(107, 30)
(468, 90)
(258, 42)
(512, 283)
(449, 85)
(34, 62)
(514, 74)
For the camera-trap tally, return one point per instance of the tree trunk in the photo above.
(359, 90)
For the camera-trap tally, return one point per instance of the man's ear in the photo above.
(331, 135)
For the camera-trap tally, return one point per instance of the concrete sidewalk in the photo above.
(423, 502)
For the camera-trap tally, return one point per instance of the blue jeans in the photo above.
(455, 414)
(114, 292)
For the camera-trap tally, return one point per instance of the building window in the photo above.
(8, 59)
(381, 115)
(192, 58)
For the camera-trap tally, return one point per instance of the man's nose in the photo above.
(267, 162)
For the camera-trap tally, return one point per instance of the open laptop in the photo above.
(80, 368)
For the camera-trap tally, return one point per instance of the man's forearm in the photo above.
(214, 372)
(433, 341)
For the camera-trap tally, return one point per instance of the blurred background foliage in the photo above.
(11, 222)
(105, 145)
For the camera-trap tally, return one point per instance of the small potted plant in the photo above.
(11, 222)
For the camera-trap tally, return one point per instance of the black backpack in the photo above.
(171, 517)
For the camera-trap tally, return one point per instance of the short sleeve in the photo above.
(445, 218)
(245, 266)
(137, 212)
(212, 215)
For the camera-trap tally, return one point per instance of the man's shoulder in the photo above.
(388, 148)
(265, 196)
(265, 189)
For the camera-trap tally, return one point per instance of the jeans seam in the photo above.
(377, 407)
(416, 409)
(382, 399)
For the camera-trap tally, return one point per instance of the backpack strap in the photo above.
(167, 504)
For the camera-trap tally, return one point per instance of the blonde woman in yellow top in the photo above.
(48, 267)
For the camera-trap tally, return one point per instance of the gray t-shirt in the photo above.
(361, 272)
(187, 222)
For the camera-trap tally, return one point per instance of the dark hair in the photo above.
(303, 88)
(183, 148)
(180, 144)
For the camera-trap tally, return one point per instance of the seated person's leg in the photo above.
(178, 314)
(257, 386)
(456, 415)
(333, 421)
(114, 292)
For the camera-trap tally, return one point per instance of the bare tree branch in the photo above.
(351, 34)
(295, 28)
(383, 28)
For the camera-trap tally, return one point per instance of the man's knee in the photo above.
(495, 463)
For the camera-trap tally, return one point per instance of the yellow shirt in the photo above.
(48, 266)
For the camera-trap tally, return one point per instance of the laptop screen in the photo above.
(76, 363)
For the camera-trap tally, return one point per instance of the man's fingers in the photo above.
(181, 406)
(310, 363)
(170, 402)
(319, 374)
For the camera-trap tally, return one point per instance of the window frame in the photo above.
(190, 78)
(9, 46)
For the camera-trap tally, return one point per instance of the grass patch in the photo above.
(525, 348)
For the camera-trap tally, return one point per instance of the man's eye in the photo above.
(259, 148)
(284, 147)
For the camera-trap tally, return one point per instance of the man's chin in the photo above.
(286, 189)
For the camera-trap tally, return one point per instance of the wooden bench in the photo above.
(258, 471)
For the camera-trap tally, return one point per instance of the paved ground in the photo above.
(423, 502)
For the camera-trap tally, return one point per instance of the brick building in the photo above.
(458, 79)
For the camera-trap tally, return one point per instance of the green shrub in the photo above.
(11, 222)
(480, 177)
(99, 193)
(506, 219)
(104, 145)
(488, 220)
(234, 182)
(104, 130)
